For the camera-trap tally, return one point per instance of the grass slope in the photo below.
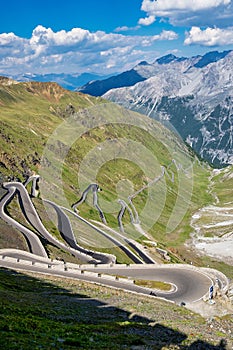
(42, 312)
(29, 112)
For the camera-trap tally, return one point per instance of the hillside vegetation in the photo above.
(77, 139)
(45, 312)
(29, 112)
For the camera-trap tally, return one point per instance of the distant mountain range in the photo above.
(67, 81)
(145, 70)
(194, 94)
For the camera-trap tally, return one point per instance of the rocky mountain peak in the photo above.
(195, 95)
(166, 59)
(211, 57)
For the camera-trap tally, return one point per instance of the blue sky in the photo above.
(107, 36)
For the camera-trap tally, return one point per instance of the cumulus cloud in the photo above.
(168, 35)
(209, 36)
(191, 12)
(7, 39)
(74, 50)
(82, 40)
(147, 21)
(9, 43)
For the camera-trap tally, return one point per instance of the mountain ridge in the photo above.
(198, 61)
(197, 101)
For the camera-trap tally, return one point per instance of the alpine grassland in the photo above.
(72, 140)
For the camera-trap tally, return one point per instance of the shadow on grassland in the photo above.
(35, 314)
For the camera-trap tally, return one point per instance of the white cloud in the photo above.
(125, 28)
(168, 35)
(7, 38)
(9, 42)
(209, 36)
(147, 21)
(165, 6)
(76, 50)
(191, 12)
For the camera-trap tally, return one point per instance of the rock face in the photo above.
(194, 94)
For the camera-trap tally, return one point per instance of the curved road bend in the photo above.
(35, 187)
(94, 188)
(191, 285)
(19, 254)
(33, 218)
(65, 228)
(33, 240)
(121, 213)
(77, 275)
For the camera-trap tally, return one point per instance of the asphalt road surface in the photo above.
(189, 284)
